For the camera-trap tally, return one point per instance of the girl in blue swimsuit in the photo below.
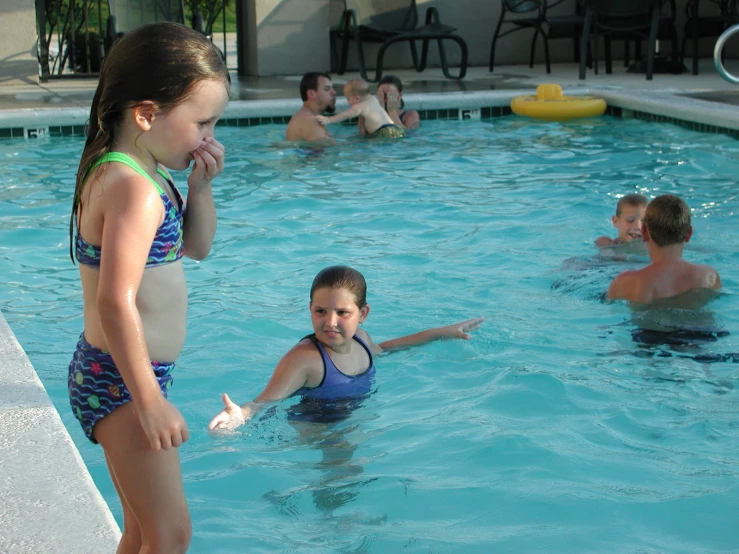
(336, 362)
(161, 90)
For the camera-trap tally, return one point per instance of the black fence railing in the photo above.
(75, 35)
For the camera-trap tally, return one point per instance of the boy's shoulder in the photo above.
(704, 268)
(657, 281)
(705, 276)
(634, 276)
(630, 285)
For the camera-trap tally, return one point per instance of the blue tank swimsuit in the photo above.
(338, 394)
(96, 387)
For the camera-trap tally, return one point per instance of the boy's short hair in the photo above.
(310, 82)
(358, 87)
(630, 200)
(667, 220)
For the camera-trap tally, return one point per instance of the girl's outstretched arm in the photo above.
(454, 331)
(301, 366)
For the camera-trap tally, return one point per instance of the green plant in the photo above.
(211, 12)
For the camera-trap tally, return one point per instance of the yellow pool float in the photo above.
(550, 104)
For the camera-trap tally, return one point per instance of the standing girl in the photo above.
(162, 88)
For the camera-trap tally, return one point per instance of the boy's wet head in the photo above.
(629, 215)
(668, 220)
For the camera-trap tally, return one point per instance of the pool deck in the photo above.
(48, 502)
(713, 102)
(77, 93)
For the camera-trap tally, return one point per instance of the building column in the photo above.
(282, 37)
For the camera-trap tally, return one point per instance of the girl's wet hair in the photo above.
(341, 277)
(156, 62)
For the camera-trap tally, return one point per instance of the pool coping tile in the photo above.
(673, 107)
(48, 500)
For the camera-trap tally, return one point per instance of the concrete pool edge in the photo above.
(668, 106)
(48, 500)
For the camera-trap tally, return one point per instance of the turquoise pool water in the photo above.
(550, 431)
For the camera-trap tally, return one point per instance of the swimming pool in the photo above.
(551, 430)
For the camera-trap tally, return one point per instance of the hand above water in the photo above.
(231, 417)
(460, 330)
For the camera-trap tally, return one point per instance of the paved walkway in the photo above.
(77, 93)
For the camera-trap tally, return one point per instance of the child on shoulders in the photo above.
(335, 362)
(377, 122)
(665, 230)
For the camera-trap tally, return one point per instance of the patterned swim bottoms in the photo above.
(96, 387)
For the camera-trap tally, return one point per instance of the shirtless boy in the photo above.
(665, 230)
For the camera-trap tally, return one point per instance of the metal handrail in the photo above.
(717, 51)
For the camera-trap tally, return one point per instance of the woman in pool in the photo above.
(390, 95)
(310, 369)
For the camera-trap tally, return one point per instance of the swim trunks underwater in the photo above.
(387, 131)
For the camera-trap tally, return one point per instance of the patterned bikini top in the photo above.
(167, 246)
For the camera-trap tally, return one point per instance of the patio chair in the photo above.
(534, 14)
(706, 25)
(387, 22)
(666, 31)
(619, 19)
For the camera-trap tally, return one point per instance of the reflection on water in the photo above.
(628, 251)
(339, 474)
(328, 427)
(687, 310)
(681, 325)
(589, 277)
